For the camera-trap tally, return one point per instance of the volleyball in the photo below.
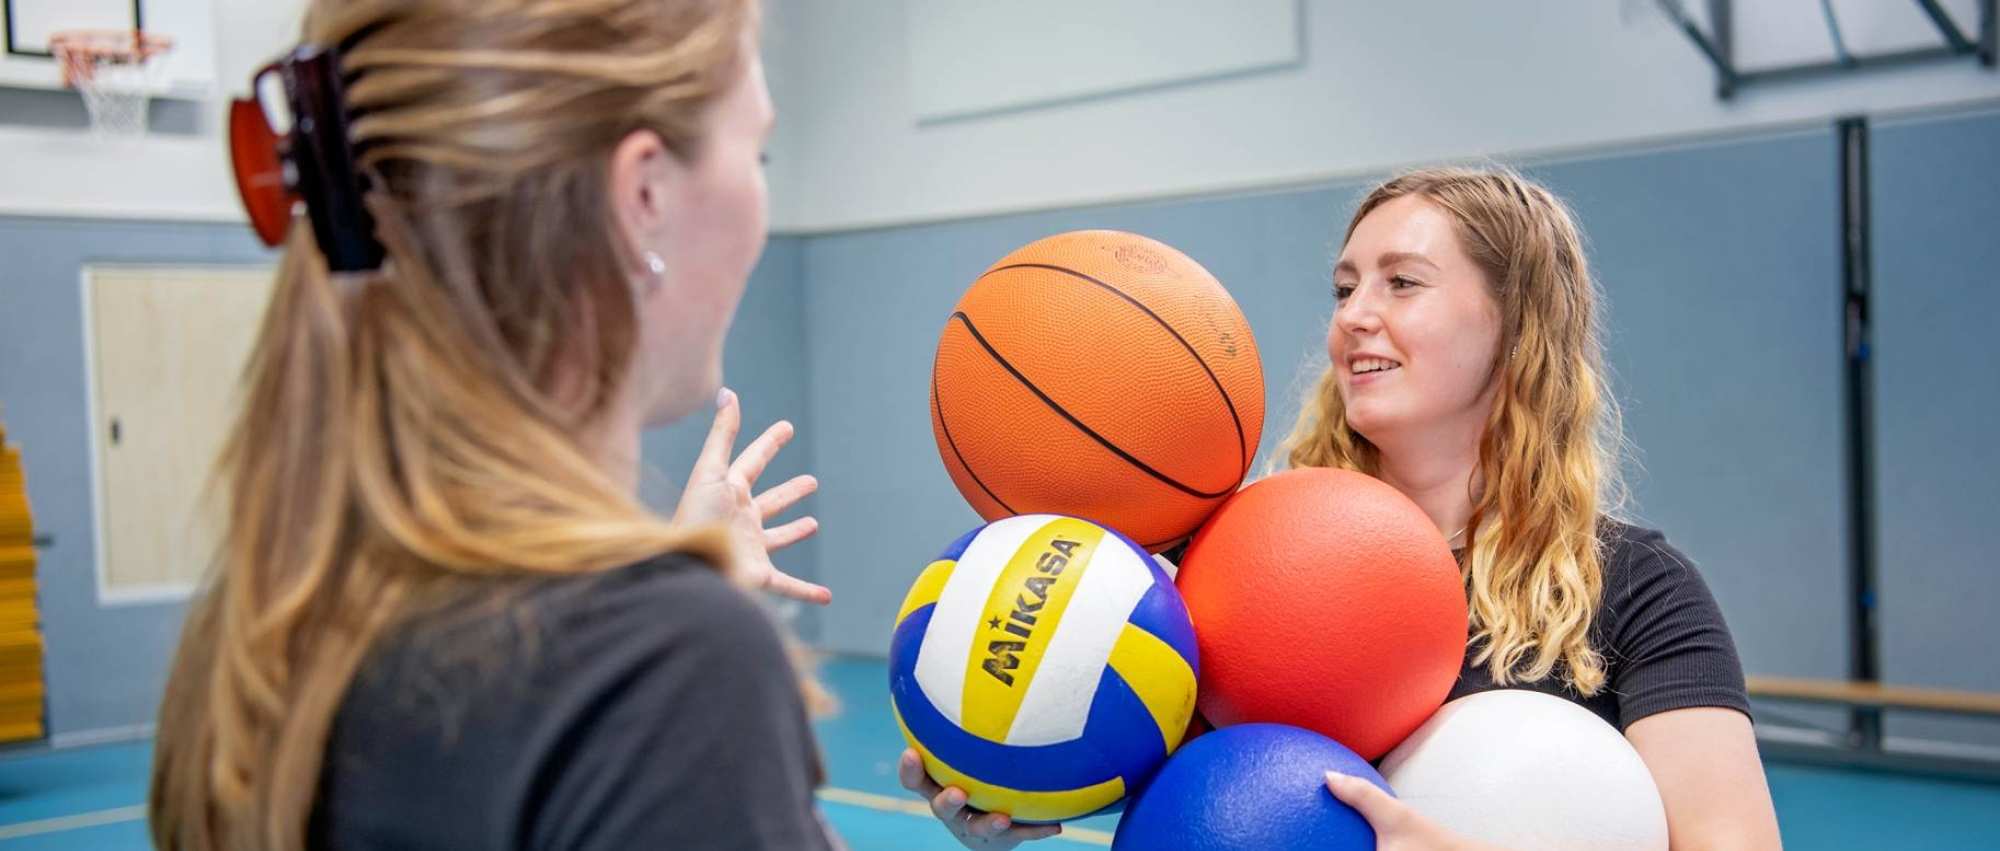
(1045, 665)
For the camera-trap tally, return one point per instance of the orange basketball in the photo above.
(1102, 375)
(1325, 599)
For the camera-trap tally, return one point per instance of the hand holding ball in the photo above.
(1523, 769)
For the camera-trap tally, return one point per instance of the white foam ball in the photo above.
(1522, 769)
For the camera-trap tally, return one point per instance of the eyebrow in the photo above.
(1388, 258)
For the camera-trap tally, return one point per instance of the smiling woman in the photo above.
(1467, 371)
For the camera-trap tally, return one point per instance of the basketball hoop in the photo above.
(116, 71)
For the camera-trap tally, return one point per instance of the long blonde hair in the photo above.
(416, 433)
(1549, 458)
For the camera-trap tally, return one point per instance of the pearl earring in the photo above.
(658, 268)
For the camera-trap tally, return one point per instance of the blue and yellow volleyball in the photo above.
(1045, 665)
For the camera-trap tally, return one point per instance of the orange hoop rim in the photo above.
(79, 52)
(132, 40)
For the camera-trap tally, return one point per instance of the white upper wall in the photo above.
(782, 49)
(1383, 85)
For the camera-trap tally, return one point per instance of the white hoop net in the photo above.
(116, 71)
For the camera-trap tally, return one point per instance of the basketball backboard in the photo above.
(25, 60)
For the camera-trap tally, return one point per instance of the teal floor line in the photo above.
(78, 780)
(1818, 808)
(110, 837)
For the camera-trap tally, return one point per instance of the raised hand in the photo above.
(719, 490)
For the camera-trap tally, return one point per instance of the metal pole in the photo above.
(1989, 32)
(1840, 53)
(1945, 26)
(1721, 21)
(1790, 73)
(1716, 50)
(1864, 657)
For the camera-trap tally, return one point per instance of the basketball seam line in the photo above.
(1051, 403)
(937, 401)
(1242, 453)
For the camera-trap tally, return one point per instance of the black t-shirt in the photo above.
(1659, 630)
(651, 706)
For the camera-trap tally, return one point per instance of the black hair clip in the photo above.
(312, 160)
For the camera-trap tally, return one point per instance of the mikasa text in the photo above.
(1020, 622)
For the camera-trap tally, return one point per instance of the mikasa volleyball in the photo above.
(1045, 665)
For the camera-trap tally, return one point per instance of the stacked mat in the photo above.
(20, 626)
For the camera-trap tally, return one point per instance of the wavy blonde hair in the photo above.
(1549, 458)
(419, 434)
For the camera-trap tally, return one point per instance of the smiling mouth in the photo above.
(1371, 366)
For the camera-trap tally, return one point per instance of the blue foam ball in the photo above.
(1251, 786)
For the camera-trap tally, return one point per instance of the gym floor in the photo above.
(94, 797)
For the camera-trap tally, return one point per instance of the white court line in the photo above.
(906, 806)
(75, 822)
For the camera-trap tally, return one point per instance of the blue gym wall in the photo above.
(1722, 272)
(104, 665)
(1936, 300)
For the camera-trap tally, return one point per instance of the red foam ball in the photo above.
(1325, 599)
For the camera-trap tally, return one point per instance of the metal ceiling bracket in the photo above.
(1717, 45)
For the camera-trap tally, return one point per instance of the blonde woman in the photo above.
(441, 617)
(1466, 371)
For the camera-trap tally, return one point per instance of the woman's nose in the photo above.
(1357, 313)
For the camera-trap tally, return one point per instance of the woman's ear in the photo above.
(639, 176)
